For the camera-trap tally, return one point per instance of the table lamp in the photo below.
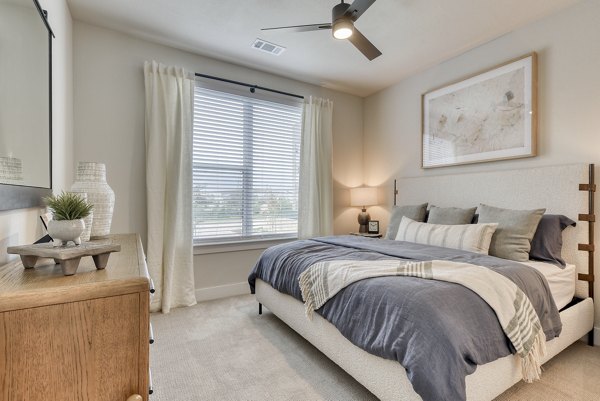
(363, 197)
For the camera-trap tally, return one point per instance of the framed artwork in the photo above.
(373, 227)
(489, 116)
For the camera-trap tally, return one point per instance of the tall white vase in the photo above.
(91, 180)
(87, 232)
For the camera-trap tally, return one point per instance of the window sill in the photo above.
(239, 246)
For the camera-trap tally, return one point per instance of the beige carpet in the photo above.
(223, 350)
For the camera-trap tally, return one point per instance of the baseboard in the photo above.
(222, 291)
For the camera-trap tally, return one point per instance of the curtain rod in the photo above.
(252, 87)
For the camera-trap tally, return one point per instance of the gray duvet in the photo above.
(438, 331)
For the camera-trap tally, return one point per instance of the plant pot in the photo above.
(63, 231)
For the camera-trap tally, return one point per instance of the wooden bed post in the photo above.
(590, 217)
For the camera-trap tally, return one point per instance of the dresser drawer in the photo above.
(85, 350)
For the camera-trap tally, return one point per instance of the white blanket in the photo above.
(516, 315)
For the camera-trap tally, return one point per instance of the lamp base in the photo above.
(363, 220)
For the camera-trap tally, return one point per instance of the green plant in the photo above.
(68, 206)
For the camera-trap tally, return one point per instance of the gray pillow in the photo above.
(546, 244)
(512, 239)
(450, 215)
(413, 212)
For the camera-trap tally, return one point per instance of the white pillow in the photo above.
(468, 237)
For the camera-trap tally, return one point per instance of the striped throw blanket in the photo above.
(516, 315)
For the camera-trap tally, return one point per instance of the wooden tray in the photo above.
(67, 256)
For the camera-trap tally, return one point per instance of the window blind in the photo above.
(246, 154)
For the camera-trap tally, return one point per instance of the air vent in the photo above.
(268, 47)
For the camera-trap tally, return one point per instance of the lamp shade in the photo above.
(363, 196)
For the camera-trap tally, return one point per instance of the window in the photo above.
(246, 166)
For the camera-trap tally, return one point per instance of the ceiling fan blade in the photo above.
(302, 28)
(362, 43)
(357, 8)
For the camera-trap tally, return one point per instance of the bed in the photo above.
(555, 188)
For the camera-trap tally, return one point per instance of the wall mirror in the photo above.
(25, 104)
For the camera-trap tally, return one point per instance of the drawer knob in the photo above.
(135, 397)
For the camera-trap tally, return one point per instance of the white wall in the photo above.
(22, 226)
(569, 98)
(569, 101)
(109, 127)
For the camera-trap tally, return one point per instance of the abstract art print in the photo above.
(490, 116)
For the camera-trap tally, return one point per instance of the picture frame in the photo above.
(373, 227)
(486, 117)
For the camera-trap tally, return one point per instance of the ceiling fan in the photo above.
(343, 17)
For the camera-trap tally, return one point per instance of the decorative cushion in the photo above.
(512, 239)
(414, 212)
(546, 244)
(450, 215)
(468, 237)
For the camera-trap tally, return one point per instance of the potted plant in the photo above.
(68, 211)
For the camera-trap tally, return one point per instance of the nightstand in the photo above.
(367, 235)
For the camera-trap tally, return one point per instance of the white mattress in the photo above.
(560, 281)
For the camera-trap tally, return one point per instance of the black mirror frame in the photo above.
(21, 197)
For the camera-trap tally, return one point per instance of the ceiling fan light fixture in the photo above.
(342, 29)
(343, 17)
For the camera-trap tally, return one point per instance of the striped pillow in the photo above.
(468, 237)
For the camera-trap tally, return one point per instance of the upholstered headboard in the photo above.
(555, 188)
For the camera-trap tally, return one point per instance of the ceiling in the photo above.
(412, 34)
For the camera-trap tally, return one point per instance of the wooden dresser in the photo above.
(76, 338)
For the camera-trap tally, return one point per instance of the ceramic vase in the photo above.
(63, 231)
(87, 232)
(91, 180)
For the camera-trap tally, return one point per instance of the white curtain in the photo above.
(315, 198)
(169, 111)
